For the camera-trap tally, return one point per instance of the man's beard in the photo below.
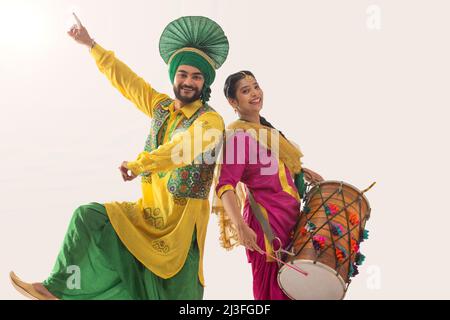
(186, 100)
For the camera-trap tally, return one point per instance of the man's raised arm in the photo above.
(132, 87)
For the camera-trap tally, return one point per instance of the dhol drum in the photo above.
(326, 242)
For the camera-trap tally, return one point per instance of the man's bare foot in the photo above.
(43, 290)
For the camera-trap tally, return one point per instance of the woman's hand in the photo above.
(312, 177)
(247, 237)
(79, 33)
(127, 174)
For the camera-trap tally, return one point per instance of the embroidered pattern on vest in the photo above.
(160, 116)
(192, 181)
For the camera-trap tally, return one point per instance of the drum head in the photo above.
(321, 283)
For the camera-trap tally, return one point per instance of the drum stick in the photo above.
(286, 264)
(370, 187)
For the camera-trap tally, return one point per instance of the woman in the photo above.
(266, 163)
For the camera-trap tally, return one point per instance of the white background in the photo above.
(364, 105)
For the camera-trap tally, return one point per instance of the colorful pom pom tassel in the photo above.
(353, 270)
(310, 227)
(303, 231)
(319, 242)
(364, 235)
(337, 229)
(359, 259)
(355, 245)
(334, 209)
(327, 210)
(341, 254)
(354, 219)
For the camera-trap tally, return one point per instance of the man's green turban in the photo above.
(195, 41)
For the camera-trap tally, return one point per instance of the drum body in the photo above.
(326, 242)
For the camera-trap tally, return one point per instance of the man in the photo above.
(152, 248)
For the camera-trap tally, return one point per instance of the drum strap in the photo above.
(261, 219)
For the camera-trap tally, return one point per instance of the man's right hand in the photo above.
(79, 33)
(127, 174)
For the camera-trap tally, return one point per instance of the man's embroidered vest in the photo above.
(192, 181)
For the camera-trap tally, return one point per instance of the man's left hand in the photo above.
(127, 174)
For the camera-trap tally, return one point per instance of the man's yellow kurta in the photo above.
(158, 228)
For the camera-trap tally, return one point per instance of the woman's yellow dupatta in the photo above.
(281, 148)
